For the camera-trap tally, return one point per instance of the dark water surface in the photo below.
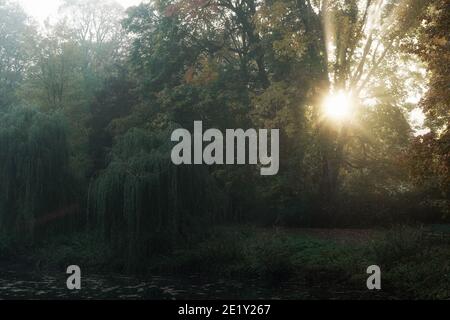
(16, 283)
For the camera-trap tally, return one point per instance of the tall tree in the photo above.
(430, 154)
(17, 37)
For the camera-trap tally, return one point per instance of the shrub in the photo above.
(397, 244)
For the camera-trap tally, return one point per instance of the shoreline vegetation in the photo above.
(303, 263)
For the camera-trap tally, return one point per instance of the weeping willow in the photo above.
(34, 171)
(144, 204)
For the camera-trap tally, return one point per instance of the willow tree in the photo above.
(143, 204)
(36, 187)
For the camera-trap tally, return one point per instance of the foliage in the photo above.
(36, 181)
(144, 204)
(17, 36)
(430, 154)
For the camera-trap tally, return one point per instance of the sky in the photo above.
(42, 9)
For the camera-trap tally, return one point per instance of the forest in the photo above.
(360, 93)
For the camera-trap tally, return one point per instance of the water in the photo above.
(16, 283)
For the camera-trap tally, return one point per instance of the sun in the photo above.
(337, 106)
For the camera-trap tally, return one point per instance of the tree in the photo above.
(17, 37)
(37, 186)
(144, 205)
(73, 60)
(432, 47)
(95, 27)
(355, 39)
(430, 154)
(284, 57)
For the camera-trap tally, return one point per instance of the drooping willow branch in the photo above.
(144, 204)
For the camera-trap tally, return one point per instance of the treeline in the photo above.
(87, 104)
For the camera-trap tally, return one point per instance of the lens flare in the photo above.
(338, 106)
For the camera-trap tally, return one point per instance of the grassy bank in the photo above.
(327, 262)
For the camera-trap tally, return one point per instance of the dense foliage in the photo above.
(36, 186)
(144, 204)
(102, 89)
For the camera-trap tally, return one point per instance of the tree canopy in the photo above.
(102, 87)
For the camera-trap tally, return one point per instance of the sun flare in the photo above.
(337, 106)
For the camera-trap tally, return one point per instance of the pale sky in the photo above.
(42, 9)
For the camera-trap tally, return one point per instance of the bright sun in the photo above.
(337, 106)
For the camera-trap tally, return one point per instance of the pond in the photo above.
(16, 283)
